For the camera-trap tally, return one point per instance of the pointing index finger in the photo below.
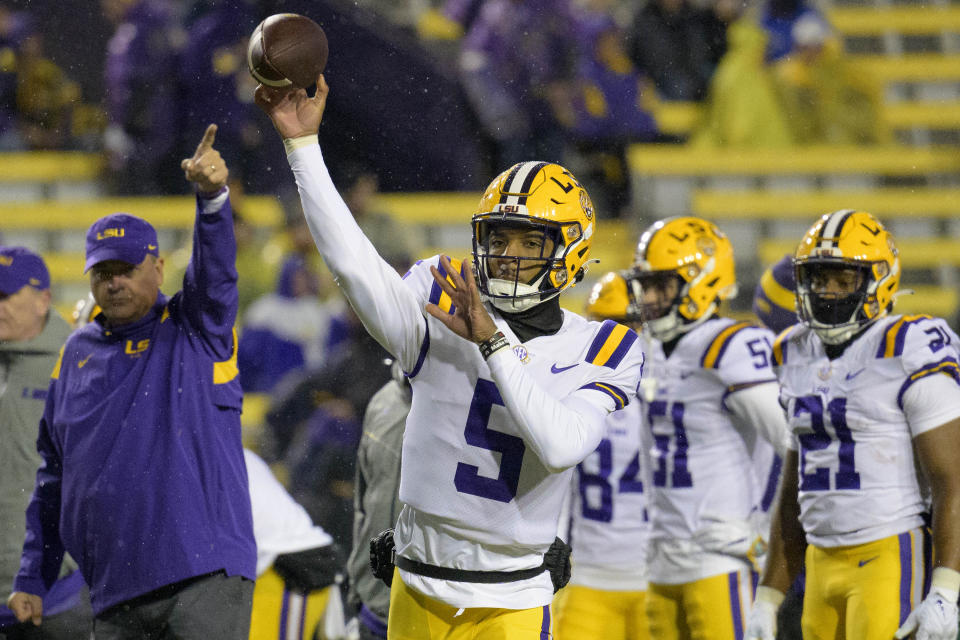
(208, 137)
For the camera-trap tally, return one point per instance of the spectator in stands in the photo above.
(514, 66)
(827, 100)
(15, 26)
(609, 111)
(141, 102)
(46, 97)
(376, 503)
(678, 45)
(314, 422)
(144, 401)
(778, 17)
(31, 335)
(287, 330)
(360, 186)
(743, 107)
(216, 86)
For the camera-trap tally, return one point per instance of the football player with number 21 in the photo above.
(510, 391)
(873, 401)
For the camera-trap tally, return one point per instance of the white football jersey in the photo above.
(857, 475)
(482, 485)
(489, 446)
(609, 524)
(703, 459)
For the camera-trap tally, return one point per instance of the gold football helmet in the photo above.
(542, 197)
(848, 271)
(616, 296)
(692, 256)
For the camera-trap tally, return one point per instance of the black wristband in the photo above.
(493, 344)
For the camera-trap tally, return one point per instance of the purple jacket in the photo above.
(143, 478)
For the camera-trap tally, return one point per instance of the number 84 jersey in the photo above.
(853, 424)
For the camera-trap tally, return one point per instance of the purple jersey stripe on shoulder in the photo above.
(435, 290)
(621, 351)
(605, 330)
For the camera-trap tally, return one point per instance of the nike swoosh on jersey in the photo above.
(851, 376)
(84, 361)
(555, 369)
(863, 562)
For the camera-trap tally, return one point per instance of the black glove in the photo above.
(381, 556)
(557, 560)
(309, 570)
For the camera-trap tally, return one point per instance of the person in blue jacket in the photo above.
(143, 479)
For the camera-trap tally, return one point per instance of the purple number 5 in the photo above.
(503, 488)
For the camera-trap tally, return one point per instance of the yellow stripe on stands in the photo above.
(778, 294)
(610, 345)
(226, 370)
(716, 347)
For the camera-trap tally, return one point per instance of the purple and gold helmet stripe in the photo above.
(779, 351)
(832, 227)
(718, 346)
(517, 185)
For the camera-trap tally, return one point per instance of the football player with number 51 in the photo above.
(709, 399)
(870, 397)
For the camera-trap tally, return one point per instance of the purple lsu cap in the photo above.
(120, 236)
(20, 267)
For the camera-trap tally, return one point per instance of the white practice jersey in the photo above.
(709, 469)
(854, 419)
(489, 445)
(609, 525)
(280, 524)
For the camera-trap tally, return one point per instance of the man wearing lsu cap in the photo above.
(143, 480)
(31, 334)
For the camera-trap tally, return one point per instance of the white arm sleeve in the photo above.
(280, 524)
(759, 406)
(389, 310)
(931, 402)
(560, 432)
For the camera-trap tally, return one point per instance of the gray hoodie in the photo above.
(25, 368)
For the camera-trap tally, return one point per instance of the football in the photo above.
(287, 49)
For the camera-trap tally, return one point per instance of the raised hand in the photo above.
(293, 113)
(206, 169)
(470, 319)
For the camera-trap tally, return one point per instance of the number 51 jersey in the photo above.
(857, 476)
(704, 459)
